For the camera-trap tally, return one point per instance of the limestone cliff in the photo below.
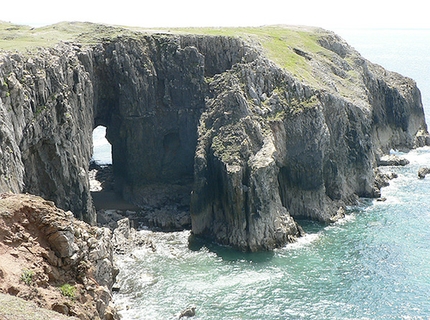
(272, 147)
(46, 114)
(261, 125)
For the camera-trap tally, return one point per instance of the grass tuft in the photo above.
(27, 276)
(68, 290)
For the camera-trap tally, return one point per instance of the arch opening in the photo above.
(102, 182)
(102, 149)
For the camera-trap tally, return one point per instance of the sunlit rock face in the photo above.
(208, 124)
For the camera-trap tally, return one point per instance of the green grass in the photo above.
(280, 43)
(277, 41)
(23, 38)
(68, 290)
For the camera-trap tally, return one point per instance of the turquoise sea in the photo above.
(374, 264)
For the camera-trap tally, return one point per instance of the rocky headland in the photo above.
(237, 132)
(258, 125)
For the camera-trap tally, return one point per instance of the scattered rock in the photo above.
(18, 309)
(422, 139)
(422, 172)
(340, 214)
(382, 179)
(60, 308)
(167, 219)
(125, 238)
(392, 160)
(189, 312)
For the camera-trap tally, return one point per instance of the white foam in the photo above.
(304, 241)
(346, 219)
(418, 156)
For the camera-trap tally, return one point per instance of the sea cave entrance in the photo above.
(102, 149)
(101, 175)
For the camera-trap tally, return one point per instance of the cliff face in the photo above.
(272, 147)
(257, 145)
(46, 110)
(150, 95)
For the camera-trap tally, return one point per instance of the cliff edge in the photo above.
(57, 262)
(255, 126)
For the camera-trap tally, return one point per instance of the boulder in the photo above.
(422, 172)
(392, 160)
(382, 180)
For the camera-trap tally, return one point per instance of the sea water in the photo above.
(374, 264)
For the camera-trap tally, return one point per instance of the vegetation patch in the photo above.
(25, 38)
(40, 109)
(290, 47)
(296, 49)
(68, 290)
(27, 276)
(280, 43)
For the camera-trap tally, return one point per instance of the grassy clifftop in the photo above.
(291, 47)
(23, 38)
(282, 44)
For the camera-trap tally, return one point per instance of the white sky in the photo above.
(329, 14)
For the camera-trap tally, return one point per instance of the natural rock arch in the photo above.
(151, 114)
(261, 145)
(102, 149)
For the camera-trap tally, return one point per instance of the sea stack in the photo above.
(260, 126)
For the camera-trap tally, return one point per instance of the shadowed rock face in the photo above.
(46, 110)
(150, 99)
(256, 145)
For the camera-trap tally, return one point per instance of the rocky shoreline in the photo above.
(159, 207)
(44, 248)
(248, 133)
(222, 135)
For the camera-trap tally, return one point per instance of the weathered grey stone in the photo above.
(382, 180)
(392, 160)
(302, 151)
(422, 172)
(125, 238)
(256, 145)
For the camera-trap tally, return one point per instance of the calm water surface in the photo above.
(374, 264)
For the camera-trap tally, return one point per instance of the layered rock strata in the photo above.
(256, 145)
